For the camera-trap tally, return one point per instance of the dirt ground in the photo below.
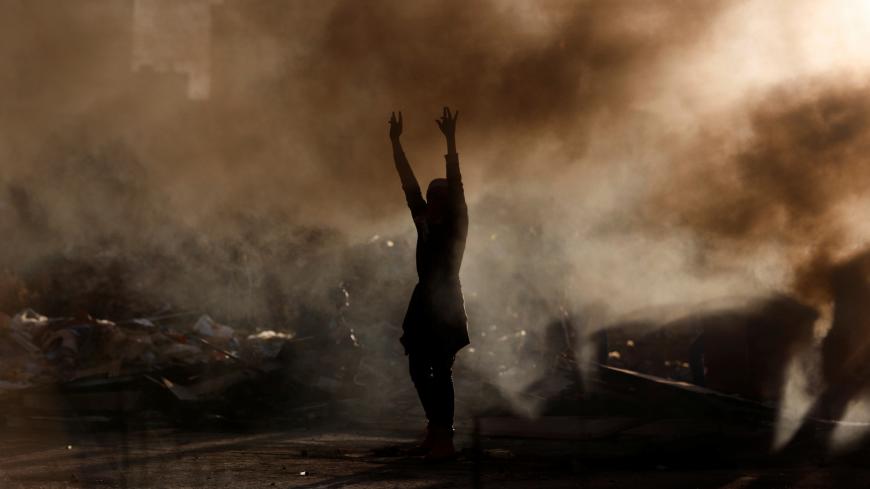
(370, 457)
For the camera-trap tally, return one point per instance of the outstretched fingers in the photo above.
(395, 125)
(448, 115)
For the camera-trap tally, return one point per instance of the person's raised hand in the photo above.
(395, 126)
(447, 123)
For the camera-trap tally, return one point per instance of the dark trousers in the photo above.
(432, 374)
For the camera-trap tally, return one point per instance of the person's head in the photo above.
(436, 200)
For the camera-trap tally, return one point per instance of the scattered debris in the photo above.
(195, 372)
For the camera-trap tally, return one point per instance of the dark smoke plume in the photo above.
(789, 181)
(100, 159)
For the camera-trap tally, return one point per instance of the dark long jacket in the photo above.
(436, 320)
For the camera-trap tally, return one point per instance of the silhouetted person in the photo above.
(435, 328)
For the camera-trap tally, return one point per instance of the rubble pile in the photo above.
(39, 350)
(81, 366)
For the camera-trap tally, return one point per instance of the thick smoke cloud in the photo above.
(311, 107)
(623, 159)
(805, 154)
(796, 178)
(100, 157)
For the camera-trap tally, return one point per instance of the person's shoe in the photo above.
(442, 446)
(425, 446)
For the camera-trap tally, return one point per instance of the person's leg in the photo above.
(442, 391)
(442, 409)
(420, 367)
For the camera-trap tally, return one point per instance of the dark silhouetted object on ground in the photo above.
(435, 325)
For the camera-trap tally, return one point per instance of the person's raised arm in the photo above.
(406, 174)
(447, 124)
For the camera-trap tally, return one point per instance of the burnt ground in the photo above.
(667, 454)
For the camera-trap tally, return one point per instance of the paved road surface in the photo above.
(338, 457)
